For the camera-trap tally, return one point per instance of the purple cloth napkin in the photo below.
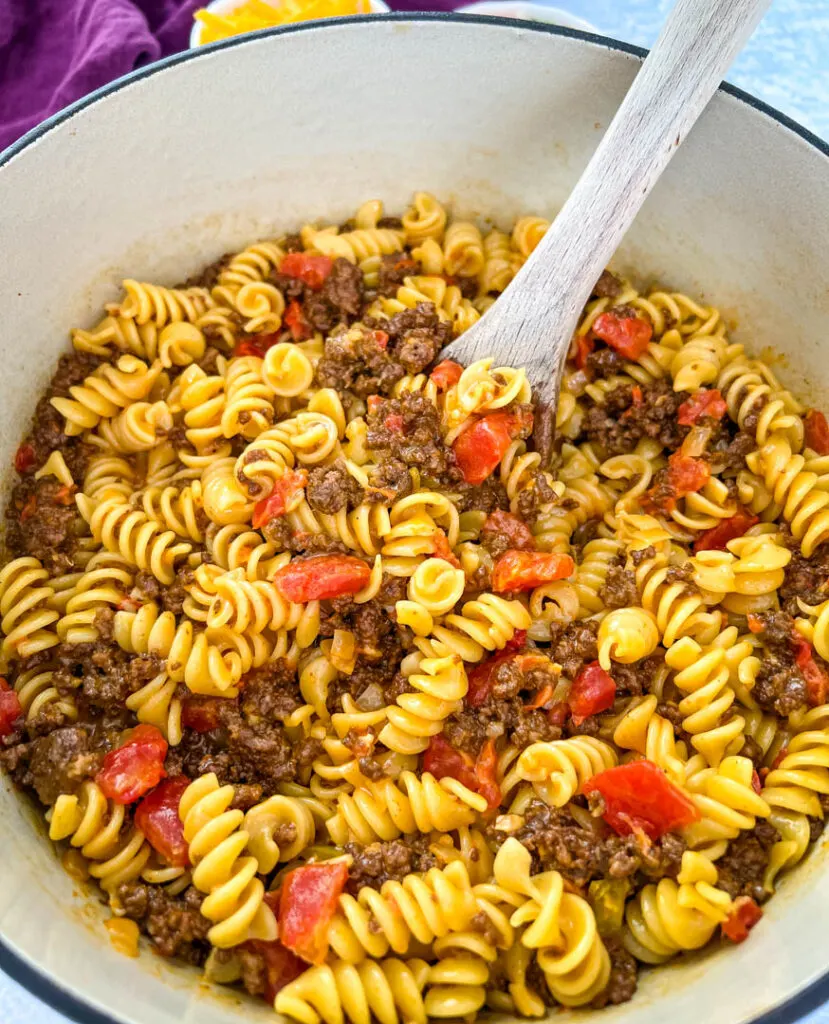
(53, 52)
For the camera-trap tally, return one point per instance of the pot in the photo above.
(163, 171)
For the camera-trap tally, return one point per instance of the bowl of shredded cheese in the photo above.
(224, 18)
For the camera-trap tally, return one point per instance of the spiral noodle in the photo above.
(130, 532)
(726, 800)
(236, 546)
(174, 509)
(106, 392)
(146, 303)
(485, 624)
(273, 816)
(528, 232)
(137, 429)
(642, 730)
(156, 704)
(582, 500)
(385, 809)
(751, 391)
(426, 219)
(560, 768)
(27, 619)
(234, 900)
(249, 608)
(802, 776)
(358, 245)
(105, 583)
(96, 826)
(248, 406)
(420, 907)
(597, 558)
(38, 695)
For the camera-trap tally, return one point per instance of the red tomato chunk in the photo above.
(256, 346)
(281, 966)
(743, 917)
(135, 767)
(817, 681)
(480, 448)
(311, 270)
(628, 335)
(517, 534)
(295, 321)
(279, 501)
(24, 458)
(157, 817)
(717, 538)
(584, 346)
(593, 690)
(10, 709)
(639, 797)
(306, 906)
(700, 404)
(320, 577)
(524, 570)
(817, 432)
(443, 761)
(446, 374)
(201, 714)
(481, 677)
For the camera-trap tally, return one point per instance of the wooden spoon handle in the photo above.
(694, 50)
(531, 324)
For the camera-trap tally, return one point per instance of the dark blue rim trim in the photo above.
(40, 985)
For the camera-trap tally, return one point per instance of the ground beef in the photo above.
(101, 674)
(485, 497)
(278, 531)
(247, 796)
(743, 865)
(806, 578)
(635, 679)
(418, 442)
(209, 277)
(45, 521)
(271, 692)
(332, 488)
(393, 269)
(258, 753)
(338, 301)
(603, 364)
(728, 454)
(573, 645)
(174, 923)
(390, 480)
(356, 361)
(623, 968)
(416, 335)
(147, 588)
(536, 498)
(608, 286)
(619, 588)
(558, 842)
(384, 861)
(620, 422)
(60, 762)
(779, 685)
(174, 596)
(470, 728)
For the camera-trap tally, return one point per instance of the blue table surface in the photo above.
(786, 63)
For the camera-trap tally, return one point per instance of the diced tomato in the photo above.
(743, 917)
(307, 904)
(64, 495)
(639, 797)
(593, 690)
(29, 508)
(157, 817)
(637, 395)
(817, 681)
(541, 698)
(523, 570)
(717, 538)
(817, 432)
(373, 402)
(279, 501)
(559, 713)
(701, 403)
(135, 767)
(628, 335)
(310, 269)
(10, 709)
(755, 623)
(128, 604)
(485, 769)
(281, 965)
(201, 714)
(584, 346)
(446, 374)
(256, 346)
(782, 754)
(441, 549)
(321, 576)
(481, 677)
(394, 423)
(480, 449)
(516, 532)
(687, 474)
(382, 338)
(756, 785)
(442, 760)
(24, 458)
(295, 320)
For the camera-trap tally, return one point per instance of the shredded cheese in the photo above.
(256, 14)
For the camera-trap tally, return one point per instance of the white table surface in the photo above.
(787, 65)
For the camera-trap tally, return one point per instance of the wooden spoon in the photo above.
(532, 323)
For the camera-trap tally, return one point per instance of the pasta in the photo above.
(314, 661)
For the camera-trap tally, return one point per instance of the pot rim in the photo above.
(18, 967)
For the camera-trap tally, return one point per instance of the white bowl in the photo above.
(229, 6)
(545, 13)
(156, 175)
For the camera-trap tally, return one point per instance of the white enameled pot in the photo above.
(167, 169)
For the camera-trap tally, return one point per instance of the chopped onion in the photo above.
(371, 699)
(696, 441)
